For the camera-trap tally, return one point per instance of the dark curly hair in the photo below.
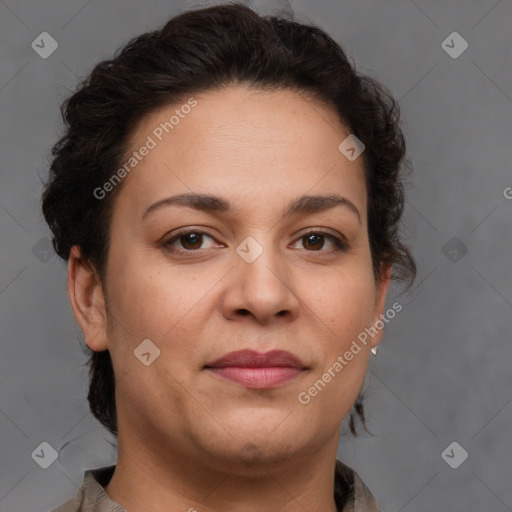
(196, 51)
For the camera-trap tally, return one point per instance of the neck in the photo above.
(163, 480)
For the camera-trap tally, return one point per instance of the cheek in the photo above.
(167, 305)
(346, 311)
(345, 303)
(150, 300)
(148, 304)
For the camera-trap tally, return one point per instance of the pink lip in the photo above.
(256, 370)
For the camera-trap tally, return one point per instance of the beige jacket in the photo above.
(350, 493)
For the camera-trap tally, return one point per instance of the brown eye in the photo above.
(191, 240)
(316, 240)
(313, 241)
(188, 241)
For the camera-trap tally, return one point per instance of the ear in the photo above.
(87, 301)
(382, 287)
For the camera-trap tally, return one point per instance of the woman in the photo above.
(227, 195)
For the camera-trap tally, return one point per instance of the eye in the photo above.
(315, 241)
(190, 240)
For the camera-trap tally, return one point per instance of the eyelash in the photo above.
(340, 243)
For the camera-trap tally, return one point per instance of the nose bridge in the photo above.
(258, 256)
(262, 277)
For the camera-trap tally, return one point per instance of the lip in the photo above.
(257, 370)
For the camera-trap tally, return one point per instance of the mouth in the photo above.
(256, 370)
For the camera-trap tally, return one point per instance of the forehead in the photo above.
(240, 139)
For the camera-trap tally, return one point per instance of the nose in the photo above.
(261, 288)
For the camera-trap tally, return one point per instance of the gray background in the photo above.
(443, 371)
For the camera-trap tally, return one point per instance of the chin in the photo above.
(252, 457)
(248, 445)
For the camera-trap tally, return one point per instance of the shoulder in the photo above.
(351, 493)
(72, 505)
(91, 496)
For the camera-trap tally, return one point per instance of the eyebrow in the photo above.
(209, 203)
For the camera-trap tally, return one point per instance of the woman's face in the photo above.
(246, 277)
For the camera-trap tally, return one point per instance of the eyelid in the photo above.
(338, 239)
(320, 230)
(168, 241)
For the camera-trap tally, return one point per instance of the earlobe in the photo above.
(382, 287)
(87, 301)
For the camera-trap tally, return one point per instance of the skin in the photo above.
(189, 439)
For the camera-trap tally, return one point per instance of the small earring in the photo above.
(374, 350)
